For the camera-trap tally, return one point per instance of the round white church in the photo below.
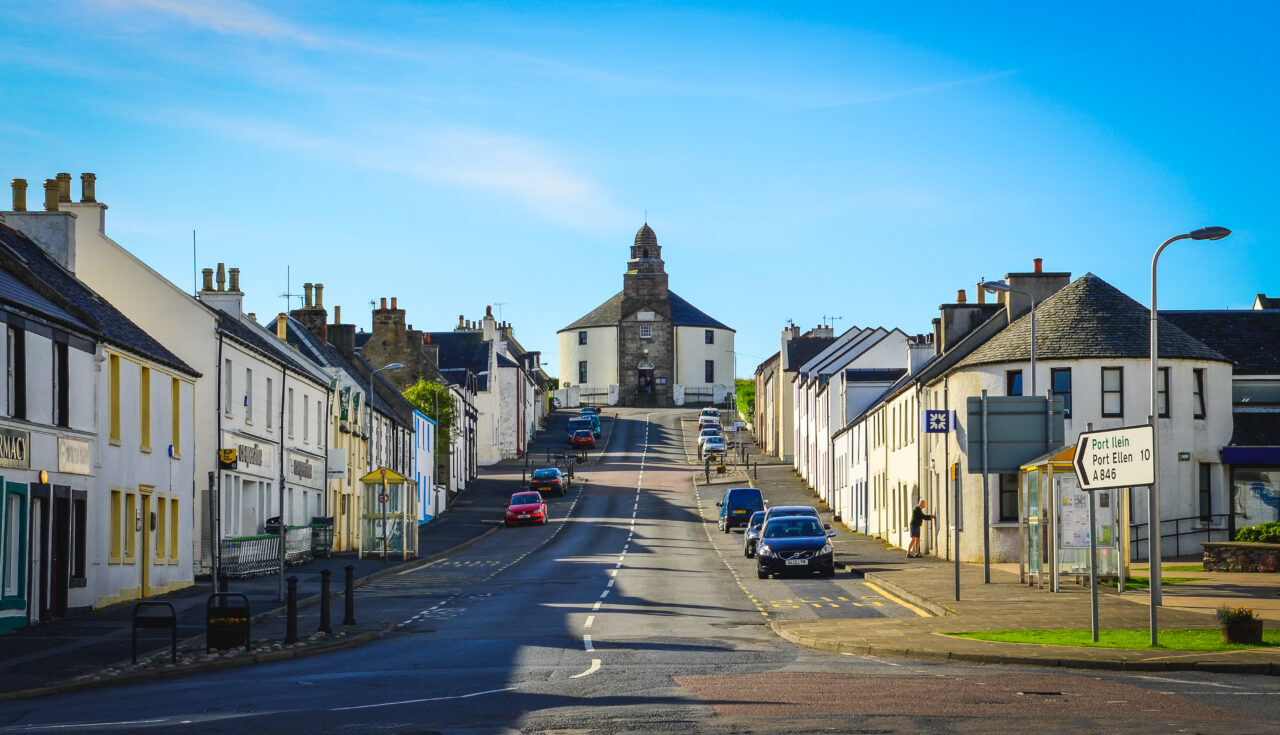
(646, 346)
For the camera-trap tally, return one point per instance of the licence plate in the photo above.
(797, 562)
(737, 512)
(526, 515)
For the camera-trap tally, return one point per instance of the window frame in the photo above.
(1003, 495)
(709, 337)
(582, 372)
(582, 337)
(1066, 395)
(1119, 392)
(1198, 404)
(1204, 487)
(144, 408)
(646, 331)
(1162, 393)
(709, 371)
(1012, 379)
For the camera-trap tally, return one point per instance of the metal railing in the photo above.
(1191, 529)
(250, 556)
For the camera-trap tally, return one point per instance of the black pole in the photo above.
(223, 580)
(350, 590)
(291, 616)
(324, 602)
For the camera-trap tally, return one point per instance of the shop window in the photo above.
(14, 550)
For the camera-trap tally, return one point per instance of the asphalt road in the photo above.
(630, 612)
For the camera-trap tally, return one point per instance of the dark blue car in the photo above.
(737, 505)
(795, 544)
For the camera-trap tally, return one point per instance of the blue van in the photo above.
(737, 505)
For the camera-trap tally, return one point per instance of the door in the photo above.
(39, 579)
(60, 553)
(144, 533)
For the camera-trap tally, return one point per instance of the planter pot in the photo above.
(1242, 631)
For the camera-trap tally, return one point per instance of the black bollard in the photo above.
(222, 580)
(350, 618)
(291, 616)
(324, 603)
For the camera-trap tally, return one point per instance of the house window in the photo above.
(1013, 382)
(582, 337)
(228, 382)
(582, 372)
(248, 396)
(1112, 391)
(1197, 393)
(144, 408)
(1009, 497)
(161, 527)
(289, 410)
(116, 514)
(113, 398)
(709, 336)
(646, 331)
(306, 418)
(709, 368)
(1060, 380)
(1162, 392)
(270, 402)
(1206, 491)
(61, 386)
(319, 425)
(130, 537)
(175, 416)
(17, 373)
(174, 527)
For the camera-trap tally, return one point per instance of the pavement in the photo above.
(94, 649)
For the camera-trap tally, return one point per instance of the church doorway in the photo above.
(645, 382)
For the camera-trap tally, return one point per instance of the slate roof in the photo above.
(254, 336)
(1267, 302)
(803, 349)
(1088, 318)
(683, 314)
(1255, 429)
(460, 352)
(83, 302)
(14, 291)
(1250, 339)
(326, 355)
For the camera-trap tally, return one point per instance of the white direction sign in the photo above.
(1116, 458)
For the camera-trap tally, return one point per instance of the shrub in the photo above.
(1267, 533)
(1233, 614)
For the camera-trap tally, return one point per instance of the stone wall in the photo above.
(1240, 556)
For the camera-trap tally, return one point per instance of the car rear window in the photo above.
(575, 424)
(544, 474)
(525, 499)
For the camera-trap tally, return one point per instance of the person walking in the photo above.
(918, 517)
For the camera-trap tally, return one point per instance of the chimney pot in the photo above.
(222, 277)
(384, 302)
(64, 187)
(208, 279)
(393, 302)
(1039, 265)
(427, 338)
(337, 315)
(253, 317)
(19, 195)
(88, 187)
(234, 273)
(459, 321)
(960, 297)
(488, 311)
(50, 195)
(282, 328)
(319, 295)
(982, 294)
(306, 295)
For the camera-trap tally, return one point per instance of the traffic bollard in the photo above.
(350, 618)
(324, 602)
(291, 616)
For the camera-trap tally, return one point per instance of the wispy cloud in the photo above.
(516, 169)
(914, 91)
(231, 17)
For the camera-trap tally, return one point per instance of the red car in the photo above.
(526, 507)
(583, 439)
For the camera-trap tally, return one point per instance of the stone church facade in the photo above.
(646, 345)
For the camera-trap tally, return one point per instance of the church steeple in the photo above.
(646, 253)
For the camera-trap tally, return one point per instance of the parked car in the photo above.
(583, 439)
(795, 544)
(714, 445)
(705, 421)
(751, 535)
(579, 423)
(594, 418)
(737, 505)
(549, 480)
(707, 432)
(778, 511)
(710, 411)
(526, 507)
(589, 410)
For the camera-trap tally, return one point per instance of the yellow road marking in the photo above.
(904, 603)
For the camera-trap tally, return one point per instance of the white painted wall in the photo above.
(600, 352)
(692, 352)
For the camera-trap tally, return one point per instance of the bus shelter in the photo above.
(1054, 528)
(389, 515)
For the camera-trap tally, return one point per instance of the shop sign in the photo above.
(73, 456)
(15, 448)
(304, 470)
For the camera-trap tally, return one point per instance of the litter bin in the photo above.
(273, 526)
(321, 536)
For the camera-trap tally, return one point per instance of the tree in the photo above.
(437, 402)
(746, 390)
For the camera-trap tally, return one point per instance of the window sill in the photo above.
(115, 560)
(145, 449)
(115, 441)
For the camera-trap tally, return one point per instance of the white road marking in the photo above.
(1183, 681)
(610, 583)
(595, 666)
(590, 619)
(586, 641)
(427, 699)
(595, 606)
(604, 594)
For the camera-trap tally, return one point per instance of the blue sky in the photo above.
(853, 160)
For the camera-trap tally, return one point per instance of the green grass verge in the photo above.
(1144, 583)
(1184, 568)
(1172, 640)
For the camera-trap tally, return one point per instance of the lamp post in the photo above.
(1153, 503)
(1002, 287)
(382, 495)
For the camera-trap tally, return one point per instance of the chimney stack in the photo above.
(50, 195)
(88, 188)
(1039, 265)
(235, 279)
(393, 302)
(961, 298)
(282, 326)
(19, 195)
(459, 321)
(208, 279)
(982, 293)
(222, 277)
(64, 187)
(337, 315)
(306, 295)
(384, 302)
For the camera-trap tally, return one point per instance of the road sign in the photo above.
(1019, 428)
(1116, 458)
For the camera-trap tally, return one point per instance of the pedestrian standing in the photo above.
(918, 517)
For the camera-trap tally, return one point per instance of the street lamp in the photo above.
(369, 442)
(1153, 504)
(1002, 287)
